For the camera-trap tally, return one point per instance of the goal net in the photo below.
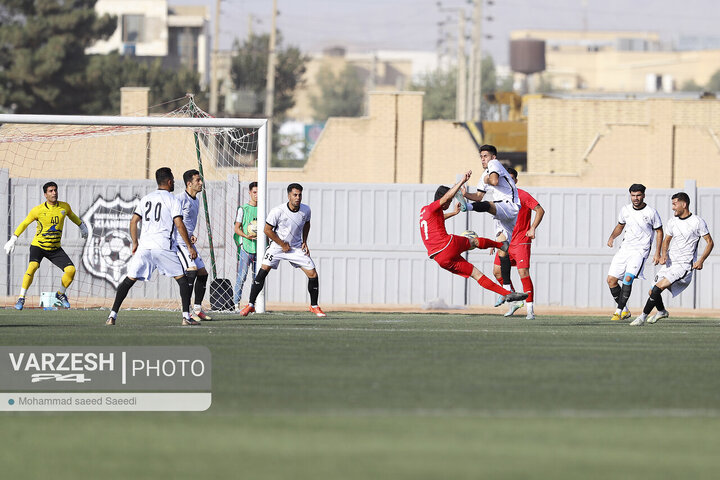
(103, 166)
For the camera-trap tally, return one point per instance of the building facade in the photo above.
(148, 29)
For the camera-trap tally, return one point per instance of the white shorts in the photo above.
(679, 277)
(187, 262)
(505, 218)
(295, 256)
(144, 262)
(627, 261)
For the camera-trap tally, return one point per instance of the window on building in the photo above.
(183, 46)
(133, 28)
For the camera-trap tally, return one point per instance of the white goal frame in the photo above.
(106, 120)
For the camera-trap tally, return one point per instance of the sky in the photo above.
(368, 25)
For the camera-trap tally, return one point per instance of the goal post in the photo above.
(35, 152)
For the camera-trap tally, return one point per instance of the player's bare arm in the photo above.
(493, 179)
(451, 193)
(180, 225)
(134, 231)
(474, 197)
(708, 248)
(665, 247)
(453, 213)
(658, 245)
(615, 233)
(270, 233)
(539, 214)
(306, 232)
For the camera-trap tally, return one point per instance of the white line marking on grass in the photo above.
(561, 413)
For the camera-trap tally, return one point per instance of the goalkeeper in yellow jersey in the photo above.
(50, 217)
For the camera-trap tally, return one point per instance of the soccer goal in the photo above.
(103, 165)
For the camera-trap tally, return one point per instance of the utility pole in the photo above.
(461, 86)
(270, 83)
(476, 78)
(214, 62)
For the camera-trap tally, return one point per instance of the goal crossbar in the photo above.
(109, 120)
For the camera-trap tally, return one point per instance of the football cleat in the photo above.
(513, 308)
(658, 316)
(110, 321)
(318, 311)
(625, 315)
(20, 303)
(189, 321)
(516, 296)
(201, 316)
(530, 316)
(639, 321)
(247, 309)
(499, 300)
(615, 317)
(461, 200)
(63, 299)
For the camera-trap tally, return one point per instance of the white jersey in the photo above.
(639, 227)
(288, 225)
(157, 211)
(505, 190)
(190, 208)
(686, 233)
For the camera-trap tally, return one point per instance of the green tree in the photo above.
(106, 74)
(690, 86)
(440, 89)
(42, 53)
(249, 72)
(713, 84)
(341, 95)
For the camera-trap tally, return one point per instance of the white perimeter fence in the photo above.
(365, 242)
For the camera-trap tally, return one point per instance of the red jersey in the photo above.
(527, 204)
(432, 228)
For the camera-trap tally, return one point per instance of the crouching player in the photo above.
(447, 249)
(50, 217)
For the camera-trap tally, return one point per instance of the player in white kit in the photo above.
(639, 220)
(160, 214)
(679, 257)
(288, 226)
(497, 195)
(194, 268)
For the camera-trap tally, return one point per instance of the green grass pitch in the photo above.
(392, 396)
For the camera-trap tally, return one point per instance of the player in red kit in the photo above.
(447, 249)
(519, 251)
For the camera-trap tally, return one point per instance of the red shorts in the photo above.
(519, 255)
(451, 258)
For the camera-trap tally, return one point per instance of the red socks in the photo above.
(488, 284)
(487, 243)
(528, 287)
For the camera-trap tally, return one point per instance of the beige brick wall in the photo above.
(659, 142)
(579, 143)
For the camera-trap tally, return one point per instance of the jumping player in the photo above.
(50, 217)
(447, 249)
(502, 203)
